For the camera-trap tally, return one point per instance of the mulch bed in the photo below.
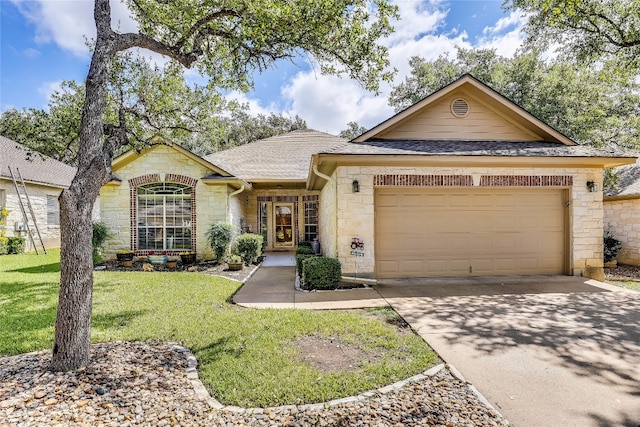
(623, 272)
(208, 267)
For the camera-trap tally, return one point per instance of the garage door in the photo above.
(469, 232)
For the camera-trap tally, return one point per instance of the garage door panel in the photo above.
(450, 232)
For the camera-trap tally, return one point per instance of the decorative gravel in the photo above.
(147, 384)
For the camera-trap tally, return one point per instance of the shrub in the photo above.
(299, 259)
(304, 243)
(321, 272)
(249, 246)
(611, 246)
(15, 245)
(304, 250)
(100, 235)
(220, 237)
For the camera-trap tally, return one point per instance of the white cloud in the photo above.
(506, 36)
(328, 103)
(48, 88)
(69, 23)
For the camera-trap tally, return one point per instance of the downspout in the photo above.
(237, 191)
(335, 210)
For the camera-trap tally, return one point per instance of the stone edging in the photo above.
(203, 394)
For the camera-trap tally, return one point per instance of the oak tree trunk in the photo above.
(73, 320)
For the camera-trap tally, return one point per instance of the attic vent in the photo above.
(459, 107)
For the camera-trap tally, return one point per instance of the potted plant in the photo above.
(157, 259)
(172, 262)
(188, 257)
(234, 263)
(125, 256)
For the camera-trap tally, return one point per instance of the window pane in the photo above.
(164, 216)
(53, 211)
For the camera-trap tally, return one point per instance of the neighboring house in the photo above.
(463, 183)
(622, 214)
(44, 179)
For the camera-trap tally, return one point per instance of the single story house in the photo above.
(622, 214)
(44, 179)
(462, 183)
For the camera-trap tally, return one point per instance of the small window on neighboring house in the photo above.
(53, 210)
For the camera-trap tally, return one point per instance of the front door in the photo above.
(283, 225)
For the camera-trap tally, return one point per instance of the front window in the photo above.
(164, 216)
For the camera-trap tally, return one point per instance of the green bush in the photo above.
(304, 250)
(249, 246)
(304, 243)
(299, 259)
(100, 235)
(611, 247)
(15, 245)
(321, 272)
(220, 236)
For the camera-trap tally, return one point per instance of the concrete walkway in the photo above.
(273, 286)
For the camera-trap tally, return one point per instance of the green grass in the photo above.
(246, 357)
(629, 284)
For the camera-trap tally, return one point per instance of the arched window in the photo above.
(164, 216)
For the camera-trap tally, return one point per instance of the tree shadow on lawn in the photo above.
(114, 321)
(54, 267)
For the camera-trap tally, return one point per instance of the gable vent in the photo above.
(459, 107)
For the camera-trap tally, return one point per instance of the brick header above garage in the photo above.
(423, 180)
(525, 181)
(405, 180)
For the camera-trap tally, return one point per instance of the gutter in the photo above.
(321, 175)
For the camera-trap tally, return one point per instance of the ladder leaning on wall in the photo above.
(21, 185)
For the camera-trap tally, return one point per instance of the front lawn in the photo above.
(246, 357)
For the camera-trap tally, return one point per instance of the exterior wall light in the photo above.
(592, 186)
(355, 186)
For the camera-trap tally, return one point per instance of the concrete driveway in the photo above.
(545, 351)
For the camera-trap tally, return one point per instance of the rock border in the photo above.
(203, 394)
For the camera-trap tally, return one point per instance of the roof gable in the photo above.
(133, 155)
(487, 116)
(33, 166)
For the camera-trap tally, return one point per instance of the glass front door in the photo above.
(283, 225)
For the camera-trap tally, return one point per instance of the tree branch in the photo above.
(129, 40)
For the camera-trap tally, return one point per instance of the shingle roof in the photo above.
(628, 181)
(33, 166)
(470, 148)
(284, 156)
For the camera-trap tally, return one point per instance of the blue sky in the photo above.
(42, 44)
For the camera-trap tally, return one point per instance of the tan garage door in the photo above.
(469, 232)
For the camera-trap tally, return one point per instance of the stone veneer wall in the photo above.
(328, 219)
(355, 211)
(211, 200)
(622, 219)
(38, 197)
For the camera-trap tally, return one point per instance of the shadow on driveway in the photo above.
(544, 350)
